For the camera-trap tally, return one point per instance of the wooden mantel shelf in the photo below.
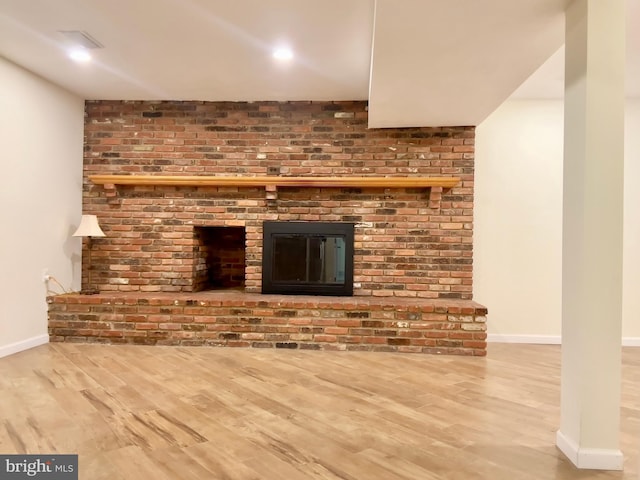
(272, 182)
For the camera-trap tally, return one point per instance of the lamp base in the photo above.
(89, 291)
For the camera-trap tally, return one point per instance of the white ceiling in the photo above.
(417, 62)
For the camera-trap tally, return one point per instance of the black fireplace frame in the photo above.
(272, 230)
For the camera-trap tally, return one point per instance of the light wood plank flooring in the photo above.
(206, 413)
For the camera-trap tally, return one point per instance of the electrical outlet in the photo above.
(45, 275)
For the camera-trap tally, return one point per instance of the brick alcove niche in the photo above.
(182, 265)
(219, 258)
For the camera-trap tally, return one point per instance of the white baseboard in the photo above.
(535, 339)
(23, 345)
(547, 339)
(589, 458)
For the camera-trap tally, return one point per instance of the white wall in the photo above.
(518, 217)
(518, 221)
(631, 265)
(41, 129)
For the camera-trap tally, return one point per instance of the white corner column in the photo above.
(592, 234)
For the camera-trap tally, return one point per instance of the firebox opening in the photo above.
(308, 258)
(219, 258)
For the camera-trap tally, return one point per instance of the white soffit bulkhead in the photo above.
(440, 63)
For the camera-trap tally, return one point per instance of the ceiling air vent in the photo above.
(81, 39)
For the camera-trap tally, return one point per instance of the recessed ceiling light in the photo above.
(79, 55)
(283, 54)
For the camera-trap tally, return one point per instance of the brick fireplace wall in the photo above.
(413, 247)
(409, 242)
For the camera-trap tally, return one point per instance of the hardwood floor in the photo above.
(206, 413)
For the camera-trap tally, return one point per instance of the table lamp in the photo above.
(89, 227)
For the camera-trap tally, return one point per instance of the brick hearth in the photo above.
(237, 319)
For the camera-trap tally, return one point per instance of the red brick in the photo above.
(325, 338)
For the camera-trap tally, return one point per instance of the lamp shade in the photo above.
(89, 227)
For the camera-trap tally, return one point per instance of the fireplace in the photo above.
(308, 258)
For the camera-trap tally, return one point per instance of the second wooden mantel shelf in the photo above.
(272, 182)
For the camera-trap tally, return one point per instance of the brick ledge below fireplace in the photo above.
(238, 319)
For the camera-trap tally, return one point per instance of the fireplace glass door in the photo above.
(308, 258)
